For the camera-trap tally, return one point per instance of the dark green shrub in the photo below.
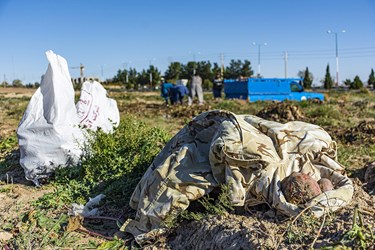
(114, 163)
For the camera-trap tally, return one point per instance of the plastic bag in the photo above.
(49, 134)
(88, 209)
(95, 109)
(48, 129)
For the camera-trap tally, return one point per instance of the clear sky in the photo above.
(107, 35)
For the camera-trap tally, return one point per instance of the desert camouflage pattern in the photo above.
(250, 154)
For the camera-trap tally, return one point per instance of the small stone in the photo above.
(325, 185)
(4, 236)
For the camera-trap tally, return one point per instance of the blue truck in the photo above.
(268, 89)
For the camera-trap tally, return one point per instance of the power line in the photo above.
(293, 55)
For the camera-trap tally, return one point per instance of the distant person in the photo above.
(165, 89)
(217, 86)
(196, 89)
(242, 78)
(177, 93)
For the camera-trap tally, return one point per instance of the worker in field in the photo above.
(177, 93)
(165, 89)
(196, 89)
(217, 86)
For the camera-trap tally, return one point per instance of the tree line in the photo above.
(131, 79)
(150, 78)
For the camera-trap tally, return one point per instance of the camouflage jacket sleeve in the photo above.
(179, 174)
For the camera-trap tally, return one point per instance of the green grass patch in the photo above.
(8, 144)
(112, 164)
(8, 158)
(354, 161)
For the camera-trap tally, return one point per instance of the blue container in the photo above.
(264, 89)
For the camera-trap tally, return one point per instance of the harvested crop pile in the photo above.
(363, 104)
(152, 109)
(370, 172)
(143, 108)
(370, 178)
(179, 111)
(281, 112)
(363, 133)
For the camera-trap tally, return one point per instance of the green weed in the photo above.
(115, 244)
(8, 144)
(360, 236)
(39, 229)
(227, 105)
(5, 189)
(353, 161)
(303, 230)
(325, 115)
(112, 164)
(208, 206)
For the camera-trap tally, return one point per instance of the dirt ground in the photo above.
(263, 228)
(16, 92)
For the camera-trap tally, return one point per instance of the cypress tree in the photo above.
(371, 79)
(328, 82)
(307, 81)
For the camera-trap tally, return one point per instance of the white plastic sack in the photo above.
(95, 109)
(48, 129)
(49, 134)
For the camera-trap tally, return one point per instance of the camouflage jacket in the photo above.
(250, 154)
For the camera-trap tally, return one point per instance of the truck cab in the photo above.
(268, 89)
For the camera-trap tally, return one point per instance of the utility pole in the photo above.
(125, 65)
(5, 81)
(81, 69)
(286, 63)
(337, 54)
(124, 68)
(150, 77)
(14, 74)
(222, 64)
(195, 63)
(258, 44)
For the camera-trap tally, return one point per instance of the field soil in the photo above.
(350, 120)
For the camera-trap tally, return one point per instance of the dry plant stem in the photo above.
(295, 218)
(101, 218)
(355, 216)
(367, 211)
(84, 230)
(320, 230)
(360, 218)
